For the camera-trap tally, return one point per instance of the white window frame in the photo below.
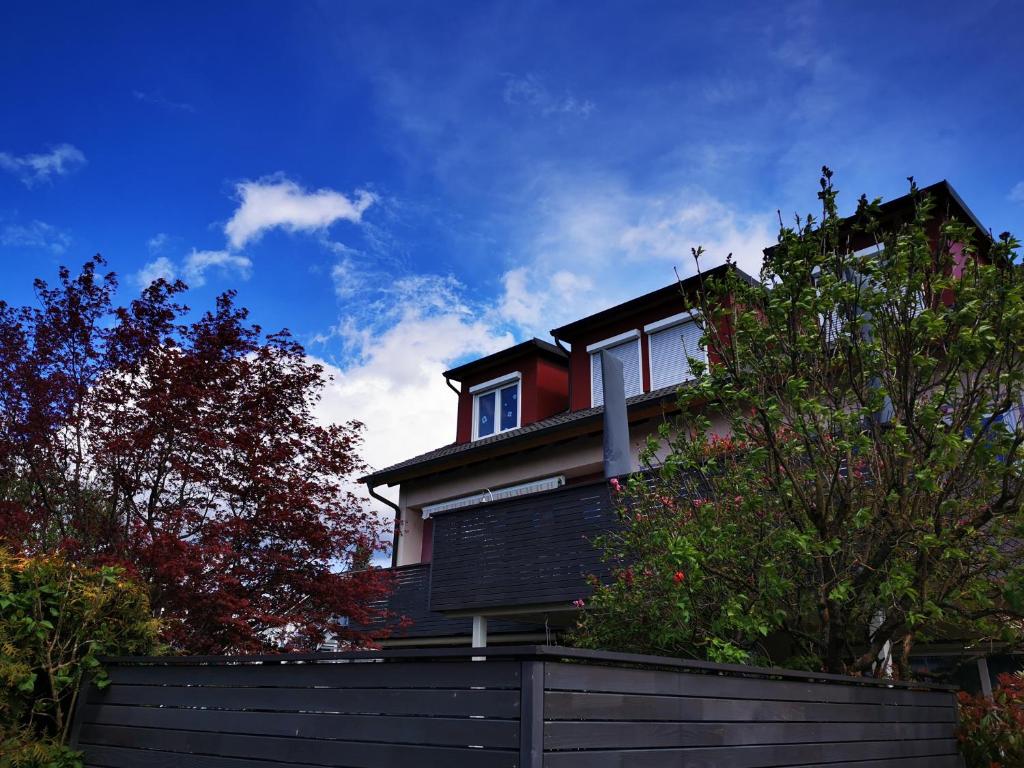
(663, 325)
(496, 385)
(615, 341)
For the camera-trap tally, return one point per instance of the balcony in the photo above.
(533, 551)
(530, 555)
(410, 599)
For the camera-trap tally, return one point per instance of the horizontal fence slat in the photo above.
(571, 705)
(394, 701)
(943, 761)
(881, 754)
(120, 757)
(566, 734)
(405, 730)
(321, 753)
(586, 677)
(442, 674)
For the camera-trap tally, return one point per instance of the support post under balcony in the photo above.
(479, 631)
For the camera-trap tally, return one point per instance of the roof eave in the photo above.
(513, 444)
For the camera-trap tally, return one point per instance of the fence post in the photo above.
(84, 685)
(531, 715)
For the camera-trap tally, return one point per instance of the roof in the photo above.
(505, 442)
(662, 295)
(531, 346)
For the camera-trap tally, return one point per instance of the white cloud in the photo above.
(193, 268)
(418, 328)
(36, 234)
(594, 243)
(160, 267)
(278, 202)
(1017, 193)
(198, 262)
(39, 168)
(530, 91)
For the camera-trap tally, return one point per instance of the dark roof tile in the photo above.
(396, 471)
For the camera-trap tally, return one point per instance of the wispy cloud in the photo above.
(396, 348)
(194, 267)
(37, 235)
(277, 202)
(198, 263)
(39, 168)
(157, 99)
(1017, 193)
(531, 92)
(158, 242)
(593, 242)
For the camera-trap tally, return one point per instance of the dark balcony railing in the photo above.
(531, 551)
(410, 616)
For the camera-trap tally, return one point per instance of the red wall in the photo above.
(543, 391)
(579, 359)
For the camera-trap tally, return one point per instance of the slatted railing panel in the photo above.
(601, 716)
(408, 614)
(534, 550)
(343, 715)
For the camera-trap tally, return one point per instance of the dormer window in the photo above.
(626, 347)
(496, 405)
(673, 342)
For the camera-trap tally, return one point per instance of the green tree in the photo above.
(865, 493)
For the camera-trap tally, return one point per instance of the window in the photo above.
(672, 342)
(496, 405)
(626, 347)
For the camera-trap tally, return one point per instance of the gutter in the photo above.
(398, 521)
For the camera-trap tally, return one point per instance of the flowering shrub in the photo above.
(992, 731)
(56, 620)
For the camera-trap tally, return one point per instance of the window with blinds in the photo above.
(671, 349)
(629, 353)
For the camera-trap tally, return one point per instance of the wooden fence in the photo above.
(518, 707)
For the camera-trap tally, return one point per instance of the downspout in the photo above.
(452, 388)
(398, 521)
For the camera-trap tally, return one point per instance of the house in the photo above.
(494, 531)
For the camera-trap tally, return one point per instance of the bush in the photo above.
(992, 731)
(56, 620)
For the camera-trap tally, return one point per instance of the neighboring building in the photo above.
(493, 530)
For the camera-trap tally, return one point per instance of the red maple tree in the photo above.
(187, 451)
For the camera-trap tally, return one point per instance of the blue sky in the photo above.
(407, 185)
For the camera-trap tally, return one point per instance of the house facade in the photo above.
(496, 526)
(494, 531)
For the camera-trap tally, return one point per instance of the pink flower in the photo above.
(615, 484)
(579, 603)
